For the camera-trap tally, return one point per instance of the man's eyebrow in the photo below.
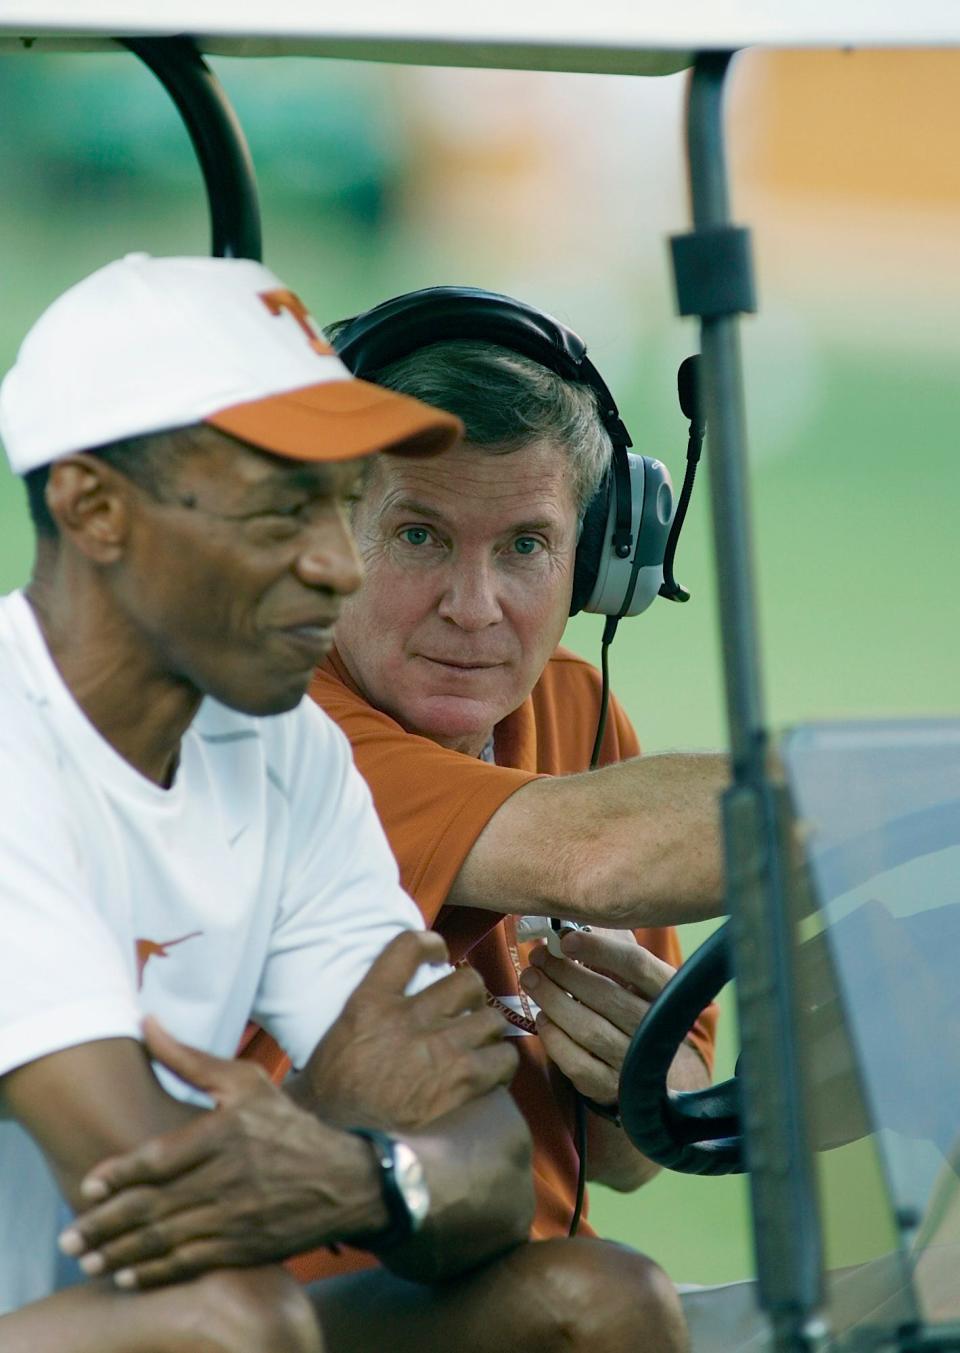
(413, 506)
(311, 479)
(418, 509)
(542, 524)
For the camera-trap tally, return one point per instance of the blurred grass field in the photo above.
(852, 409)
(857, 563)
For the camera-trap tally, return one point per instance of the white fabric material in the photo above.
(261, 877)
(146, 344)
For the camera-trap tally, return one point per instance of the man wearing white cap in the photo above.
(190, 446)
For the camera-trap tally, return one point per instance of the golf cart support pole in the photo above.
(714, 280)
(218, 141)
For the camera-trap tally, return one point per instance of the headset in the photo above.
(628, 535)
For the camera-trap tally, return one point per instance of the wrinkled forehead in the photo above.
(535, 476)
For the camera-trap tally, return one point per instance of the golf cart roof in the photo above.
(616, 36)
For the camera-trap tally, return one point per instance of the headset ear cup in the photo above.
(590, 546)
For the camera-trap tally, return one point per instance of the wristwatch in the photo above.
(404, 1186)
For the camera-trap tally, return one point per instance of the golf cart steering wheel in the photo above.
(700, 1131)
(692, 1131)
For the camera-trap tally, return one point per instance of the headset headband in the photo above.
(418, 319)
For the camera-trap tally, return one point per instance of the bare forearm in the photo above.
(477, 1162)
(282, 1180)
(261, 1177)
(115, 1102)
(261, 1308)
(636, 844)
(612, 1159)
(291, 1182)
(659, 819)
(94, 1318)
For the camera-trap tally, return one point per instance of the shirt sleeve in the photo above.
(433, 802)
(64, 978)
(341, 900)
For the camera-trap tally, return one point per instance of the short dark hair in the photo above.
(505, 400)
(147, 460)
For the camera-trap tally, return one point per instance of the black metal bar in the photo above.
(787, 1234)
(764, 907)
(218, 141)
(723, 389)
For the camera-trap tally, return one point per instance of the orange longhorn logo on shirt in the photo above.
(147, 949)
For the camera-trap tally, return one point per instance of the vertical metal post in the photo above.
(218, 141)
(714, 281)
(727, 439)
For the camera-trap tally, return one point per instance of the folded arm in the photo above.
(89, 1101)
(282, 1180)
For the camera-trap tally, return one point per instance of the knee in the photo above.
(595, 1297)
(254, 1311)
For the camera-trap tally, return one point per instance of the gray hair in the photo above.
(505, 401)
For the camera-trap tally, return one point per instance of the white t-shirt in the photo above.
(259, 885)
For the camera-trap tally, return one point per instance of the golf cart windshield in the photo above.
(879, 813)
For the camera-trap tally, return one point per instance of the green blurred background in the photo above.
(561, 190)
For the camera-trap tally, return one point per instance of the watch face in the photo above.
(412, 1183)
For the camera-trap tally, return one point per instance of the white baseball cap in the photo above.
(146, 344)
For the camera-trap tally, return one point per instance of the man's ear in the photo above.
(90, 502)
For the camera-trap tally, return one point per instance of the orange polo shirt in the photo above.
(433, 804)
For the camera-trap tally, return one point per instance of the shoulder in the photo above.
(304, 741)
(20, 682)
(568, 695)
(28, 733)
(360, 721)
(295, 767)
(567, 671)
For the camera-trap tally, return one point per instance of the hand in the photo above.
(613, 981)
(255, 1180)
(397, 1061)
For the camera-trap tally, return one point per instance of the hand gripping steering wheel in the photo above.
(700, 1131)
(693, 1131)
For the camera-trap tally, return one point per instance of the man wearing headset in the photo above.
(447, 679)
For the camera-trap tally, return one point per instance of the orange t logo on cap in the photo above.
(281, 299)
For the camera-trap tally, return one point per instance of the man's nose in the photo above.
(470, 598)
(329, 558)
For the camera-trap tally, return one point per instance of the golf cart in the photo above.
(839, 849)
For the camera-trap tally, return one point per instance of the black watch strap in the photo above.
(400, 1224)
